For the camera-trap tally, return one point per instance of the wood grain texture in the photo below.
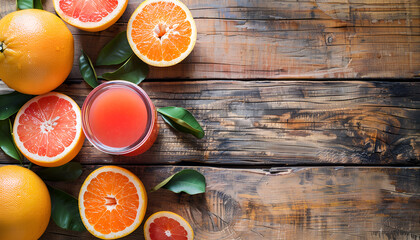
(280, 122)
(255, 126)
(285, 203)
(285, 39)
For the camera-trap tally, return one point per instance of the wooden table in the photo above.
(311, 112)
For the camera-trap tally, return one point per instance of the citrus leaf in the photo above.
(25, 4)
(65, 210)
(6, 140)
(182, 120)
(67, 172)
(133, 70)
(38, 4)
(116, 51)
(174, 124)
(188, 181)
(11, 103)
(87, 71)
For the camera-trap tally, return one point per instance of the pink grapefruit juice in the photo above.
(119, 118)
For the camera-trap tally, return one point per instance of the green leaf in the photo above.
(65, 210)
(188, 181)
(182, 120)
(87, 71)
(38, 4)
(116, 51)
(25, 4)
(11, 103)
(67, 172)
(6, 140)
(133, 70)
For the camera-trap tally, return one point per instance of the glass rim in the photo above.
(86, 109)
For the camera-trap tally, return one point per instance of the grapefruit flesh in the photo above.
(90, 15)
(166, 225)
(48, 129)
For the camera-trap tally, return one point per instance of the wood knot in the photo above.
(214, 213)
(329, 39)
(375, 130)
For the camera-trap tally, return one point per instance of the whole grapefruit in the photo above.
(25, 204)
(36, 51)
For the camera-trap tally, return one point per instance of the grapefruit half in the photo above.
(90, 15)
(166, 225)
(48, 129)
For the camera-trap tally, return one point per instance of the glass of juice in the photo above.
(119, 118)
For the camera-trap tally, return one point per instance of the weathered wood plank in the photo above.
(285, 203)
(280, 122)
(286, 39)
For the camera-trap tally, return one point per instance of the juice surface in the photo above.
(118, 117)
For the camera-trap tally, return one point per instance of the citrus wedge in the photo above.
(166, 225)
(162, 32)
(112, 202)
(48, 129)
(90, 15)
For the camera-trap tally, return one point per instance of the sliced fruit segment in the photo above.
(166, 225)
(48, 130)
(162, 32)
(112, 202)
(90, 15)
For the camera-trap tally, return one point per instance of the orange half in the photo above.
(112, 202)
(162, 32)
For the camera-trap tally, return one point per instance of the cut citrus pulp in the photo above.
(112, 202)
(162, 32)
(166, 225)
(48, 129)
(90, 15)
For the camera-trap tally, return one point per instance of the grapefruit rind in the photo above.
(25, 201)
(69, 153)
(176, 217)
(162, 63)
(140, 212)
(105, 22)
(38, 51)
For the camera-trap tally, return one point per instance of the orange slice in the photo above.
(162, 32)
(90, 15)
(112, 202)
(166, 225)
(48, 129)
